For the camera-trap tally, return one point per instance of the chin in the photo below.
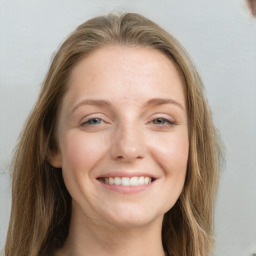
(134, 218)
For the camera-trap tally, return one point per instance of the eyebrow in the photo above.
(162, 101)
(92, 102)
(154, 101)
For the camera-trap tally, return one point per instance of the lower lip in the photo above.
(127, 189)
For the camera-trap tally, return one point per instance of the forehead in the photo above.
(131, 73)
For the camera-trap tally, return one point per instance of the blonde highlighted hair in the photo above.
(41, 205)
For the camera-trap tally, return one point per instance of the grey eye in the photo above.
(94, 121)
(159, 121)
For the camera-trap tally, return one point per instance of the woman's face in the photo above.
(123, 136)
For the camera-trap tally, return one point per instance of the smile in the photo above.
(127, 181)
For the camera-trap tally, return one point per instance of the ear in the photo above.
(55, 160)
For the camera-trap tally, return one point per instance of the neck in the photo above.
(86, 238)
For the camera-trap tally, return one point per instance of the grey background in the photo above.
(221, 38)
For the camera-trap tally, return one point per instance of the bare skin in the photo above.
(123, 118)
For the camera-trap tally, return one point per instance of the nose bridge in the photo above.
(128, 143)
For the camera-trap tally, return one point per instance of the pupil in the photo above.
(94, 121)
(159, 121)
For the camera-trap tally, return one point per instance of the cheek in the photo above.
(81, 151)
(80, 154)
(171, 152)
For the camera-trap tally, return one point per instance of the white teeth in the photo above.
(126, 181)
(110, 181)
(117, 181)
(147, 180)
(134, 181)
(141, 180)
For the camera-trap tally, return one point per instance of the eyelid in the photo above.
(87, 118)
(170, 121)
(87, 121)
(162, 115)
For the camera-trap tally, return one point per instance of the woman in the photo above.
(119, 155)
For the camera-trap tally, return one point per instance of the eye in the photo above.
(159, 121)
(163, 122)
(92, 121)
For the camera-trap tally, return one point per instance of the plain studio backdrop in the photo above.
(219, 35)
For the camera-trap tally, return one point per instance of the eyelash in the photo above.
(166, 122)
(91, 119)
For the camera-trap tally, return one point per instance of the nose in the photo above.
(128, 144)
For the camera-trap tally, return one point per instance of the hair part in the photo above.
(41, 204)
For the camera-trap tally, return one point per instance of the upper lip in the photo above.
(128, 174)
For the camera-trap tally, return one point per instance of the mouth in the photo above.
(127, 181)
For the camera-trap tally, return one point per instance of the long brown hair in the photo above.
(41, 205)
